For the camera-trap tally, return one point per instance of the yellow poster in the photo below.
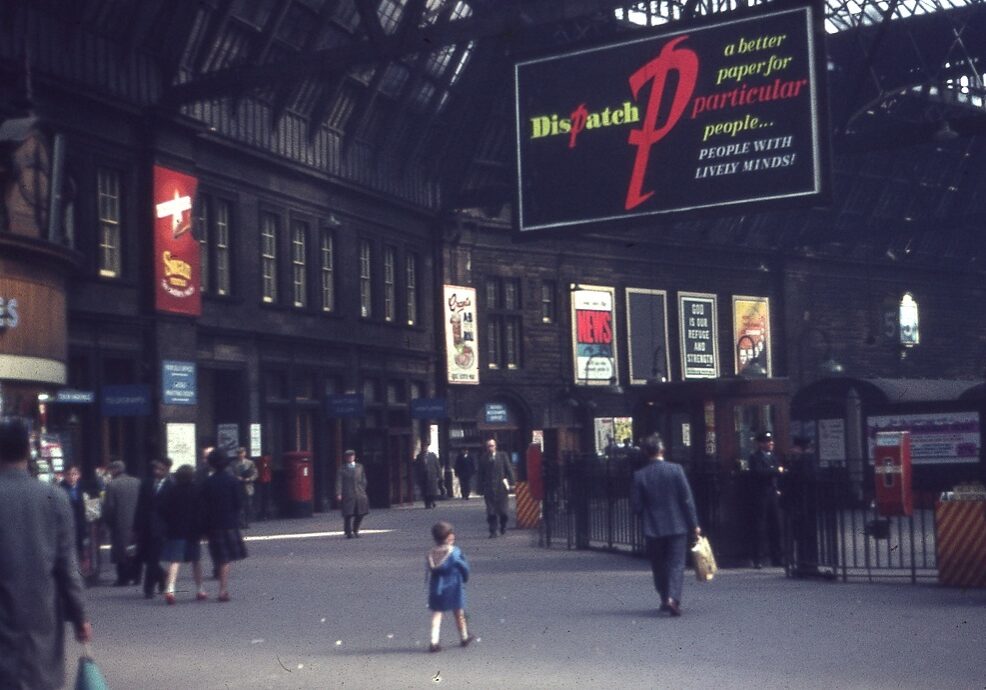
(751, 332)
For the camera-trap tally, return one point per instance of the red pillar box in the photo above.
(298, 465)
(892, 468)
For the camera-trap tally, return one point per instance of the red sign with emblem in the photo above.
(176, 251)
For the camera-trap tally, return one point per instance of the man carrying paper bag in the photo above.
(663, 500)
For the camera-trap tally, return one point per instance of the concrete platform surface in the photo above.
(316, 610)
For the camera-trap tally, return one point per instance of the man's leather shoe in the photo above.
(674, 608)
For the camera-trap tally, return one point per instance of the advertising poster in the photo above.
(751, 331)
(647, 333)
(699, 335)
(177, 267)
(594, 335)
(694, 118)
(831, 441)
(947, 437)
(180, 440)
(461, 335)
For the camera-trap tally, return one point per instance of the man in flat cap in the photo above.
(765, 502)
(351, 493)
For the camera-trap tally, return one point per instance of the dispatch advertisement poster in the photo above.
(647, 335)
(751, 332)
(698, 118)
(942, 438)
(699, 334)
(177, 267)
(461, 335)
(594, 335)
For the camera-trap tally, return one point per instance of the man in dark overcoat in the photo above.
(663, 499)
(119, 508)
(149, 525)
(465, 468)
(496, 476)
(40, 585)
(429, 469)
(351, 494)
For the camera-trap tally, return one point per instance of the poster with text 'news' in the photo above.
(594, 335)
(695, 118)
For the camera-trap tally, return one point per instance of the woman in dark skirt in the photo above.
(179, 509)
(220, 501)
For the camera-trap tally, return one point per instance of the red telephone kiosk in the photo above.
(892, 469)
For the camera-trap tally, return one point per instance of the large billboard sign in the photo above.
(177, 263)
(699, 118)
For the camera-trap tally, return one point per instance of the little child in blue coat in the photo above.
(448, 571)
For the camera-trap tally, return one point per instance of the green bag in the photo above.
(89, 676)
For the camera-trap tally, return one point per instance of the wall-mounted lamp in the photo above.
(753, 368)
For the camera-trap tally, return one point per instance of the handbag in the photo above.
(704, 560)
(89, 677)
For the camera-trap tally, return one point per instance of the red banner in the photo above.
(176, 251)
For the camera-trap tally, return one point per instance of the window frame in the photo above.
(365, 279)
(300, 230)
(109, 252)
(389, 283)
(327, 277)
(411, 288)
(269, 260)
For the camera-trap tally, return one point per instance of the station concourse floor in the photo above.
(312, 609)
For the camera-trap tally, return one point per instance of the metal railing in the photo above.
(830, 525)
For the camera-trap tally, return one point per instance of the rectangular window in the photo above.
(268, 257)
(492, 294)
(299, 263)
(411, 279)
(511, 294)
(202, 232)
(548, 301)
(222, 243)
(511, 342)
(493, 341)
(108, 188)
(327, 270)
(365, 280)
(503, 323)
(389, 287)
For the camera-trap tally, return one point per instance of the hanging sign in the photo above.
(177, 266)
(693, 118)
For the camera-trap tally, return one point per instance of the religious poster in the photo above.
(699, 335)
(647, 335)
(177, 262)
(751, 332)
(461, 335)
(594, 335)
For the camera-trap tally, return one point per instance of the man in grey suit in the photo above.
(496, 476)
(119, 509)
(663, 500)
(40, 586)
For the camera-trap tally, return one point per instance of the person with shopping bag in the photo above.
(663, 500)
